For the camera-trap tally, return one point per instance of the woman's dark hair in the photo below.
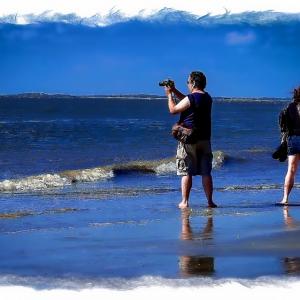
(296, 97)
(198, 79)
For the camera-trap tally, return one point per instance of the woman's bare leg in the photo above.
(290, 177)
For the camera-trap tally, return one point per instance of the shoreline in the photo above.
(47, 96)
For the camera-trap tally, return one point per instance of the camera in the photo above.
(167, 82)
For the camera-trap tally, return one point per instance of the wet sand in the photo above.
(247, 236)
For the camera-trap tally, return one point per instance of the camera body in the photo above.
(167, 82)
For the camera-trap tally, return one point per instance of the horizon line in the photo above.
(136, 95)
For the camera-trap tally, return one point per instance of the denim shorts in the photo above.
(293, 145)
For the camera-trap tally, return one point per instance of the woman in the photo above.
(293, 124)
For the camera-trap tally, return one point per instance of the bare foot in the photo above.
(284, 202)
(183, 204)
(212, 205)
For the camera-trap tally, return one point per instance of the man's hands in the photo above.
(169, 89)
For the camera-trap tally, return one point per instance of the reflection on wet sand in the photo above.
(288, 220)
(197, 265)
(291, 264)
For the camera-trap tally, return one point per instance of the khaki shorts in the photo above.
(194, 159)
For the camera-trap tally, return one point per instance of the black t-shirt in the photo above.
(198, 115)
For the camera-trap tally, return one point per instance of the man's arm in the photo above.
(177, 94)
(176, 108)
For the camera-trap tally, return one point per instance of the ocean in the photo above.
(89, 194)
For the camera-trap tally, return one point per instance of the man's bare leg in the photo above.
(290, 177)
(186, 185)
(207, 184)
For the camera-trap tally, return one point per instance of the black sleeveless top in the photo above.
(293, 112)
(198, 115)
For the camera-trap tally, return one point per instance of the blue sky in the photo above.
(245, 54)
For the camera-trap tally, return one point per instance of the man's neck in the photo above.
(198, 91)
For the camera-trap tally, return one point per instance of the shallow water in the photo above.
(114, 216)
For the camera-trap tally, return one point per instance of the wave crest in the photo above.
(166, 168)
(39, 182)
(65, 178)
(87, 175)
(219, 158)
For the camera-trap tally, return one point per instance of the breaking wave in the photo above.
(39, 182)
(66, 178)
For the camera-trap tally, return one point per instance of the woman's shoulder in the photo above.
(292, 105)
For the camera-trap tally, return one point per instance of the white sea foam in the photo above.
(255, 187)
(51, 181)
(151, 288)
(90, 175)
(218, 159)
(39, 182)
(166, 168)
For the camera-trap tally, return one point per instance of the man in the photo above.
(194, 159)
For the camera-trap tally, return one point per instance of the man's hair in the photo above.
(296, 97)
(198, 79)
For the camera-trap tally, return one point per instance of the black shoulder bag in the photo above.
(281, 151)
